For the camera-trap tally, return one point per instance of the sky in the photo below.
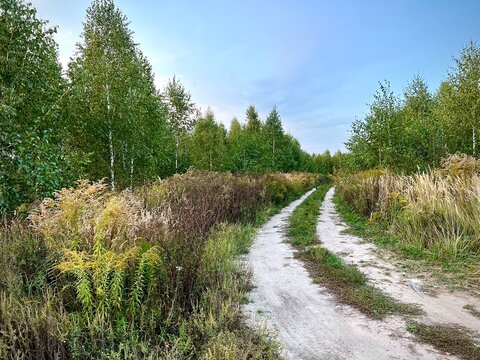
(318, 61)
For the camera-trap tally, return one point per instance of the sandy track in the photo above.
(305, 318)
(446, 307)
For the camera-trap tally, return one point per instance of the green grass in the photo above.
(451, 339)
(376, 232)
(244, 237)
(345, 281)
(303, 221)
(264, 215)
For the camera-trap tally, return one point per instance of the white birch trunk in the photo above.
(112, 159)
(131, 173)
(110, 142)
(474, 142)
(176, 154)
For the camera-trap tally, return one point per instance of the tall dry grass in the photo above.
(437, 210)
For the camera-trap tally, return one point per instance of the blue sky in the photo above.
(318, 61)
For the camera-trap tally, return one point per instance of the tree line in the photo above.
(104, 117)
(416, 130)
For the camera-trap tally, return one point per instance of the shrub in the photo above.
(205, 199)
(208, 198)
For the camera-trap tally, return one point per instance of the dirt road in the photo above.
(305, 318)
(445, 307)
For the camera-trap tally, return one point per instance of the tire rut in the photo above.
(305, 319)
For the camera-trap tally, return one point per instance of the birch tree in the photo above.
(460, 97)
(113, 103)
(180, 113)
(208, 143)
(274, 133)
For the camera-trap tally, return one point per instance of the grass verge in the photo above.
(451, 339)
(350, 286)
(218, 318)
(345, 281)
(375, 232)
(303, 221)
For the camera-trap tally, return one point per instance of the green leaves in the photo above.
(180, 111)
(106, 118)
(460, 102)
(416, 131)
(208, 144)
(34, 160)
(261, 147)
(113, 105)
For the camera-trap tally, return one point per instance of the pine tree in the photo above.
(254, 123)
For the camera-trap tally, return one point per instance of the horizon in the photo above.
(320, 71)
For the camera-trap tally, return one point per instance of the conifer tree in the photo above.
(254, 123)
